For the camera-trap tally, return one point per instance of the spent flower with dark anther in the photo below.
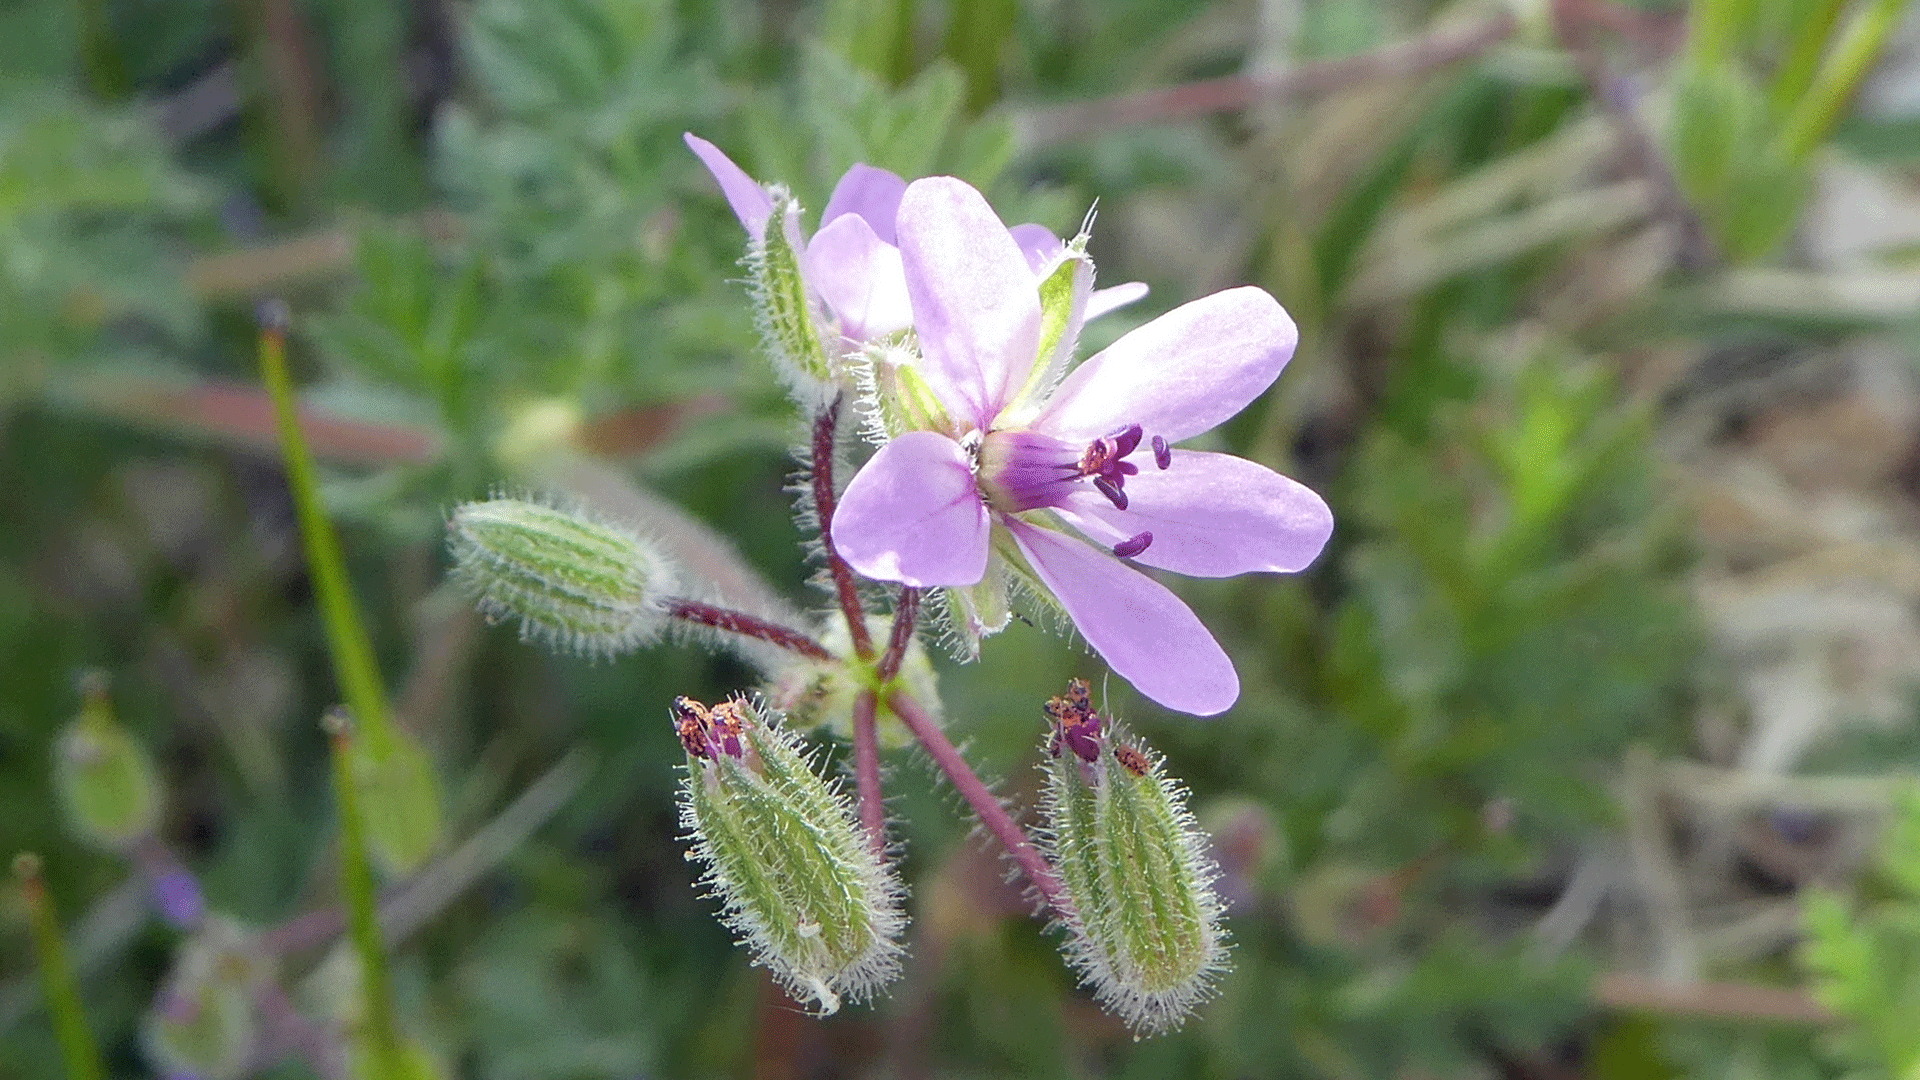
(1069, 481)
(202, 1022)
(1145, 931)
(574, 582)
(785, 855)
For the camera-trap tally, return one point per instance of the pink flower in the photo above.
(852, 264)
(1018, 460)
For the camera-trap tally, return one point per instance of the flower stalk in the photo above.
(985, 804)
(379, 1032)
(77, 1046)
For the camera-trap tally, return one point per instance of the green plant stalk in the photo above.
(363, 917)
(1796, 71)
(352, 650)
(1852, 57)
(1715, 24)
(77, 1045)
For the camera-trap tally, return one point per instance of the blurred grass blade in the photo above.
(77, 1046)
(1852, 57)
(378, 1033)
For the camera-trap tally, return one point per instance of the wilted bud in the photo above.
(1145, 933)
(104, 777)
(576, 583)
(786, 856)
(782, 311)
(202, 1022)
(815, 694)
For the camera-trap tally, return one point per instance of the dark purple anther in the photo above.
(1132, 546)
(1125, 441)
(1082, 736)
(1162, 453)
(176, 896)
(1112, 491)
(726, 727)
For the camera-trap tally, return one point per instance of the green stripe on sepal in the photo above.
(783, 313)
(576, 583)
(786, 857)
(1145, 934)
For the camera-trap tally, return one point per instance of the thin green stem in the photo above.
(1851, 58)
(353, 663)
(77, 1046)
(363, 915)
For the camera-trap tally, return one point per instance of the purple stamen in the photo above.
(1125, 441)
(1162, 454)
(1112, 491)
(1128, 548)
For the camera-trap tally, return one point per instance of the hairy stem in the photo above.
(824, 427)
(993, 815)
(739, 622)
(904, 614)
(866, 770)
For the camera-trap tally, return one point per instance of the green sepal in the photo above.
(784, 313)
(399, 800)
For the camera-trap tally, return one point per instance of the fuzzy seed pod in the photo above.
(104, 776)
(576, 583)
(782, 311)
(1146, 933)
(786, 857)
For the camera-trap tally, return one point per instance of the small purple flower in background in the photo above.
(177, 897)
(1014, 462)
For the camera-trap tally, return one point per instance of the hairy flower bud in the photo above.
(576, 583)
(786, 857)
(1146, 933)
(104, 777)
(202, 1022)
(783, 311)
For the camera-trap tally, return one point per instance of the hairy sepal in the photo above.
(795, 877)
(1146, 933)
(783, 311)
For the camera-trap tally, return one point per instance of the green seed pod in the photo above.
(782, 313)
(399, 800)
(1145, 934)
(576, 583)
(202, 1023)
(104, 777)
(786, 857)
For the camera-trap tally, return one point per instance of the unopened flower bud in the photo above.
(576, 583)
(782, 311)
(202, 1022)
(1145, 934)
(104, 777)
(786, 857)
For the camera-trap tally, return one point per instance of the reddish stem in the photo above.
(904, 614)
(974, 790)
(866, 770)
(824, 426)
(739, 622)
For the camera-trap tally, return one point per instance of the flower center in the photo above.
(1028, 470)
